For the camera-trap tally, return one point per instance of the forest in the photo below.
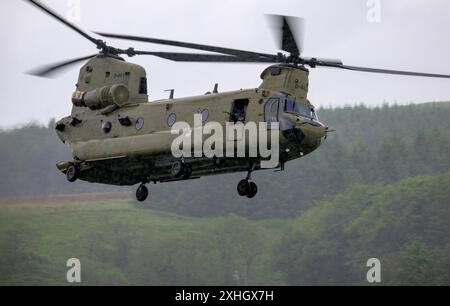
(379, 187)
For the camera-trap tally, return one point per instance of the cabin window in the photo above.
(238, 111)
(171, 119)
(106, 127)
(205, 115)
(139, 123)
(143, 86)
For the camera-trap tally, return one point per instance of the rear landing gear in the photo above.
(187, 171)
(142, 193)
(177, 168)
(72, 173)
(181, 169)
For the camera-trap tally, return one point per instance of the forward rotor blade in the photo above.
(288, 33)
(196, 57)
(384, 71)
(235, 52)
(61, 19)
(397, 72)
(52, 69)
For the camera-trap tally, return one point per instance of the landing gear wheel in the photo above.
(187, 171)
(253, 190)
(243, 188)
(72, 173)
(142, 193)
(177, 168)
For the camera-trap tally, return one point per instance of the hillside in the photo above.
(405, 225)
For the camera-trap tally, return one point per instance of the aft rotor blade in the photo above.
(386, 71)
(288, 32)
(196, 57)
(52, 69)
(319, 61)
(235, 52)
(61, 19)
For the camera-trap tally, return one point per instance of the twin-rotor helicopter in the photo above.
(118, 137)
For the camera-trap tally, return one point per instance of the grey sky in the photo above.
(412, 35)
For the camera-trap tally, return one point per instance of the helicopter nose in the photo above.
(294, 135)
(313, 130)
(323, 132)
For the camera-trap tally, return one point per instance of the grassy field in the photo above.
(118, 243)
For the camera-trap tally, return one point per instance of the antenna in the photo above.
(172, 91)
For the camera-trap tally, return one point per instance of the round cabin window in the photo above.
(171, 119)
(106, 127)
(139, 123)
(205, 115)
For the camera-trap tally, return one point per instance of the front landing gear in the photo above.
(142, 193)
(246, 188)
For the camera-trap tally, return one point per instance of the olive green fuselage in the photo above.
(127, 140)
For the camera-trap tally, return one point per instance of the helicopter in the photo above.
(118, 137)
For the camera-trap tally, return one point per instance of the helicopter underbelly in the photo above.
(130, 171)
(132, 160)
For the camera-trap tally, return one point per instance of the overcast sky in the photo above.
(410, 35)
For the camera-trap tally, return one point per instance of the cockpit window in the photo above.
(143, 85)
(299, 108)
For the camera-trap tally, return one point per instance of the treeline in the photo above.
(404, 225)
(371, 146)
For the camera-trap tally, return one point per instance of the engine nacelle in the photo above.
(117, 95)
(287, 79)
